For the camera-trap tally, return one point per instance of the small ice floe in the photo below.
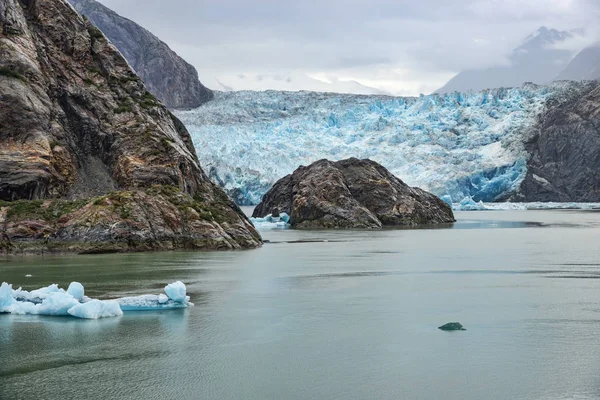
(175, 297)
(55, 301)
(271, 222)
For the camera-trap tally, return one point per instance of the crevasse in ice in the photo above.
(55, 301)
(457, 145)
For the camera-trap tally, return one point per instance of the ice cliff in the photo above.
(459, 145)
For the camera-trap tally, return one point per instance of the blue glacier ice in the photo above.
(76, 290)
(96, 309)
(55, 301)
(271, 222)
(457, 145)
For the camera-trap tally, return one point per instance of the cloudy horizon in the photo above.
(382, 46)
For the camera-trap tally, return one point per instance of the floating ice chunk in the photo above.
(175, 298)
(95, 309)
(271, 222)
(56, 303)
(468, 204)
(149, 302)
(176, 291)
(76, 290)
(38, 295)
(53, 300)
(6, 298)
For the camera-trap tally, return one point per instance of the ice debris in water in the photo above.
(468, 204)
(175, 297)
(95, 309)
(55, 301)
(456, 144)
(271, 222)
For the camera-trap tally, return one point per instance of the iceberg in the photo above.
(95, 309)
(175, 297)
(457, 145)
(271, 222)
(54, 301)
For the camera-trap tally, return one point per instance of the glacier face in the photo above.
(457, 145)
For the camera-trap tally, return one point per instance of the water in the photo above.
(331, 315)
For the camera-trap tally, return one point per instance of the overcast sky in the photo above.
(403, 47)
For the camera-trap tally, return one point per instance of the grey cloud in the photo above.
(356, 39)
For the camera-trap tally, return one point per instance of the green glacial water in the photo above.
(330, 315)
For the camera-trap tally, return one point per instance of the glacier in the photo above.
(458, 145)
(55, 301)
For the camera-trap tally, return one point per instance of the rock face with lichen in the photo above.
(89, 159)
(351, 193)
(166, 75)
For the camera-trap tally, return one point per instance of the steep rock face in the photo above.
(76, 122)
(351, 193)
(166, 75)
(564, 150)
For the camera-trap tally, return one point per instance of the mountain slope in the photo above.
(167, 76)
(533, 61)
(564, 151)
(585, 66)
(89, 159)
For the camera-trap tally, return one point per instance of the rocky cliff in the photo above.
(351, 193)
(564, 149)
(89, 159)
(166, 75)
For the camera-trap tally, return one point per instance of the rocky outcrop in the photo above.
(564, 149)
(77, 124)
(166, 75)
(351, 193)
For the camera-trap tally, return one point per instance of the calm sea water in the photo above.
(330, 315)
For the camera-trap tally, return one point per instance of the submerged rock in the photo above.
(90, 161)
(351, 193)
(452, 326)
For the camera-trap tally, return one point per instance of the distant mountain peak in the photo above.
(544, 36)
(536, 60)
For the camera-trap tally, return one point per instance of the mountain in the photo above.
(167, 76)
(585, 66)
(535, 60)
(459, 145)
(90, 161)
(293, 83)
(564, 151)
